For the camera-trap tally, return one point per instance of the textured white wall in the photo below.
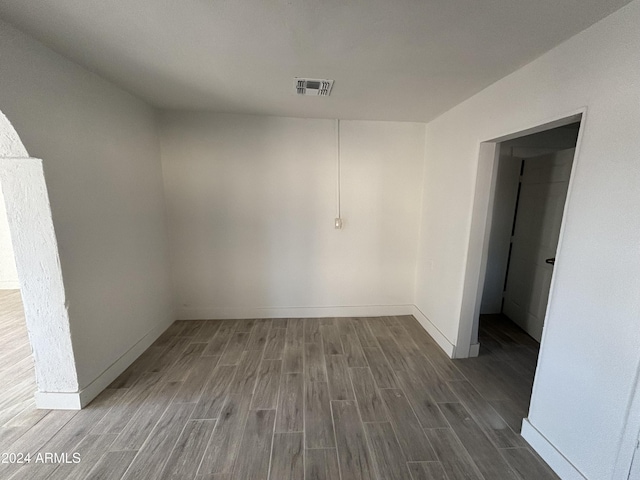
(251, 204)
(8, 272)
(591, 344)
(100, 154)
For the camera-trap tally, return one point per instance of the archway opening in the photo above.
(37, 262)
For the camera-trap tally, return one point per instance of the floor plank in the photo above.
(180, 370)
(274, 349)
(331, 343)
(265, 395)
(76, 429)
(378, 328)
(174, 351)
(414, 443)
(126, 404)
(294, 337)
(318, 423)
(247, 373)
(353, 352)
(423, 373)
(455, 460)
(361, 326)
(208, 331)
(218, 343)
(258, 435)
(224, 446)
(279, 322)
(90, 450)
(427, 471)
(112, 465)
(492, 423)
(153, 455)
(369, 402)
(292, 362)
(353, 454)
(312, 331)
(314, 365)
(235, 347)
(144, 364)
(215, 393)
(35, 438)
(423, 405)
(485, 455)
(287, 457)
(259, 335)
(192, 387)
(448, 370)
(528, 465)
(245, 325)
(388, 457)
(290, 417)
(511, 411)
(338, 376)
(139, 427)
(380, 368)
(189, 449)
(396, 355)
(321, 464)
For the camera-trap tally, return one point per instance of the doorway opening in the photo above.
(522, 186)
(17, 375)
(37, 262)
(531, 187)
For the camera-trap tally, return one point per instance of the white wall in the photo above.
(8, 272)
(591, 343)
(100, 152)
(252, 202)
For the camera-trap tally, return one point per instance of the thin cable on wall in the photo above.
(338, 220)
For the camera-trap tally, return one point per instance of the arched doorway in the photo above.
(38, 265)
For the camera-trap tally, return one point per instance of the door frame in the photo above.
(477, 252)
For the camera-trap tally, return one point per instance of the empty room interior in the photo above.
(320, 240)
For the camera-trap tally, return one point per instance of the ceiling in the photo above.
(404, 60)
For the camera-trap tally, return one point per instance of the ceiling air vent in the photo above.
(313, 86)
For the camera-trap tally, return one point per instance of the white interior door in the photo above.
(545, 180)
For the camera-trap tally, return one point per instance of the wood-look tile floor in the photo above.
(17, 377)
(345, 398)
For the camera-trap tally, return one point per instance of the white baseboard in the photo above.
(293, 312)
(58, 400)
(474, 349)
(432, 330)
(558, 462)
(9, 285)
(78, 400)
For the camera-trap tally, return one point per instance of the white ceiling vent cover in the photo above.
(316, 87)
